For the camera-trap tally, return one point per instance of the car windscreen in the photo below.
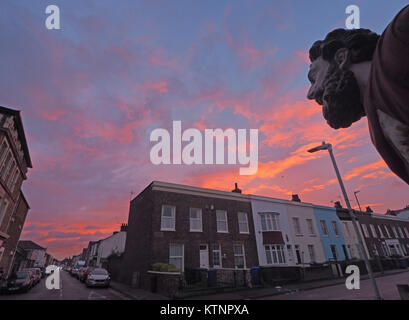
(21, 275)
(99, 272)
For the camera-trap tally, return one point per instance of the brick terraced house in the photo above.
(14, 163)
(189, 227)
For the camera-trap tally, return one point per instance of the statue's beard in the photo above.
(342, 104)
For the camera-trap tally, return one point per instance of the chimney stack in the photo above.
(124, 227)
(295, 198)
(236, 189)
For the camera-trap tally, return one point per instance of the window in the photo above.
(239, 260)
(176, 255)
(346, 225)
(221, 221)
(168, 218)
(345, 250)
(3, 209)
(195, 219)
(243, 222)
(269, 222)
(275, 254)
(394, 232)
(14, 180)
(10, 171)
(324, 227)
(373, 230)
(311, 252)
(400, 232)
(3, 150)
(387, 231)
(381, 234)
(310, 226)
(334, 252)
(335, 228)
(297, 227)
(217, 256)
(365, 230)
(5, 165)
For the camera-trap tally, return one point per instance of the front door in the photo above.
(204, 256)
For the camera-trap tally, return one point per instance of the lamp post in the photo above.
(328, 146)
(355, 192)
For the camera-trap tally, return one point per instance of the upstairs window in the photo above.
(297, 226)
(168, 218)
(310, 225)
(243, 222)
(335, 228)
(221, 221)
(324, 227)
(269, 222)
(195, 219)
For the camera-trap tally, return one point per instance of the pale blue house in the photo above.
(333, 242)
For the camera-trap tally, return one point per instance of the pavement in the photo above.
(291, 289)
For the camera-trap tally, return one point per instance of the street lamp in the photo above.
(328, 146)
(355, 192)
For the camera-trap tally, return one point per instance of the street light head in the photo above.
(323, 146)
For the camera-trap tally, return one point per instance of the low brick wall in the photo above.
(317, 273)
(165, 283)
(279, 275)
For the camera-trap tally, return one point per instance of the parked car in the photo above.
(98, 277)
(34, 276)
(84, 273)
(20, 281)
(38, 274)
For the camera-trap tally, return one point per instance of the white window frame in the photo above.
(219, 220)
(243, 254)
(162, 227)
(271, 221)
(335, 228)
(273, 253)
(324, 228)
(297, 226)
(243, 223)
(219, 252)
(182, 257)
(199, 219)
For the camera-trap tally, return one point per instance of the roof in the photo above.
(29, 245)
(20, 130)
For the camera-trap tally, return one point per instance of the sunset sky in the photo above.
(91, 93)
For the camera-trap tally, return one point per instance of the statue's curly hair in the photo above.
(361, 44)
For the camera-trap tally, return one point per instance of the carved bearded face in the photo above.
(337, 91)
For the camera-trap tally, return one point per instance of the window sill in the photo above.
(167, 229)
(222, 231)
(197, 231)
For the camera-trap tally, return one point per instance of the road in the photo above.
(70, 289)
(387, 288)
